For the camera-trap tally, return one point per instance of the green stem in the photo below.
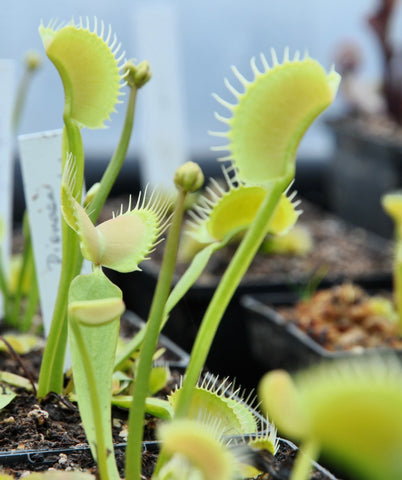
(101, 452)
(32, 302)
(156, 315)
(21, 98)
(26, 259)
(52, 368)
(117, 160)
(302, 466)
(397, 276)
(4, 287)
(221, 298)
(223, 294)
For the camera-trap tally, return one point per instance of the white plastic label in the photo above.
(40, 155)
(161, 113)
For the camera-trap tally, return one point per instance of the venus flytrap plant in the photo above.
(222, 216)
(392, 204)
(219, 400)
(136, 76)
(19, 286)
(188, 178)
(219, 436)
(92, 76)
(297, 241)
(20, 304)
(23, 284)
(32, 63)
(95, 305)
(266, 126)
(349, 410)
(197, 451)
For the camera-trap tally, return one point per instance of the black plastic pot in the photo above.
(279, 469)
(364, 167)
(231, 353)
(175, 355)
(276, 343)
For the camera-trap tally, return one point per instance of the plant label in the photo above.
(41, 171)
(161, 109)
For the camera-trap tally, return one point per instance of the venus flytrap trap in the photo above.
(349, 410)
(229, 212)
(218, 399)
(197, 451)
(297, 241)
(266, 126)
(93, 76)
(222, 216)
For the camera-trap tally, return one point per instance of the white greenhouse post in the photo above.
(7, 92)
(161, 104)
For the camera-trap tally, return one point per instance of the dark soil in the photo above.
(53, 427)
(340, 250)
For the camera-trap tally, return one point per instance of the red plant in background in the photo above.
(380, 22)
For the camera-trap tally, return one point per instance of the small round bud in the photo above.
(33, 60)
(189, 177)
(91, 194)
(137, 75)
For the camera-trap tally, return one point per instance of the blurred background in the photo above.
(209, 37)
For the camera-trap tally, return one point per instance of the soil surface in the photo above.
(339, 250)
(345, 317)
(54, 427)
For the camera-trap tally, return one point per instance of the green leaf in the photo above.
(159, 408)
(154, 406)
(93, 347)
(58, 475)
(158, 379)
(22, 342)
(6, 398)
(15, 380)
